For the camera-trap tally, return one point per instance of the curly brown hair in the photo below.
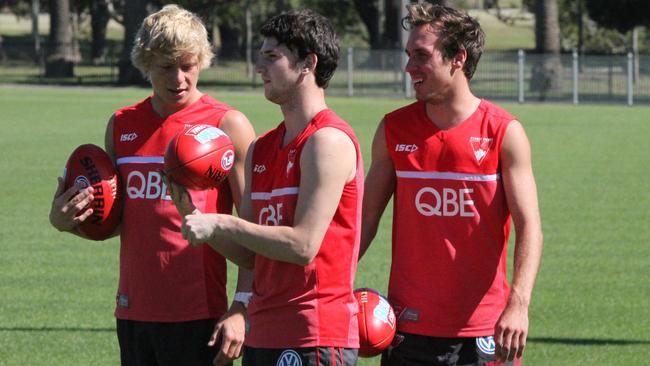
(455, 29)
(305, 32)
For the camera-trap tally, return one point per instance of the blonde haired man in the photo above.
(170, 295)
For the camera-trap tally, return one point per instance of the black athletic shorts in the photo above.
(417, 350)
(311, 356)
(166, 344)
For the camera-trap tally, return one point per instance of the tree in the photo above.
(99, 17)
(134, 13)
(60, 55)
(547, 73)
(371, 13)
(622, 15)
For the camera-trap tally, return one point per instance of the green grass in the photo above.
(591, 164)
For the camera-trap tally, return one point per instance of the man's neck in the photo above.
(454, 111)
(300, 110)
(166, 110)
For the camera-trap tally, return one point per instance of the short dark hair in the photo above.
(305, 32)
(456, 31)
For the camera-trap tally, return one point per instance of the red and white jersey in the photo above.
(450, 222)
(162, 278)
(312, 305)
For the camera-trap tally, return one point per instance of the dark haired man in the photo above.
(460, 169)
(302, 200)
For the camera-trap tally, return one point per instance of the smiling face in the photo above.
(432, 74)
(174, 83)
(278, 67)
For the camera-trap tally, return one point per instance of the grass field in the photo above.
(590, 305)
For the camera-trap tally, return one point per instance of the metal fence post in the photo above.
(521, 57)
(575, 76)
(408, 92)
(350, 71)
(630, 79)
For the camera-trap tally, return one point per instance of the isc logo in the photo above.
(150, 186)
(128, 136)
(406, 147)
(259, 168)
(449, 202)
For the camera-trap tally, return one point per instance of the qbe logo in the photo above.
(448, 202)
(147, 185)
(289, 357)
(271, 215)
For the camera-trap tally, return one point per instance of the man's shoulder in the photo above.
(133, 109)
(213, 103)
(496, 111)
(410, 112)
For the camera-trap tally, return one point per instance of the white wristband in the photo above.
(243, 297)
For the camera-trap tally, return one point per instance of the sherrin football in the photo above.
(376, 322)
(90, 165)
(199, 157)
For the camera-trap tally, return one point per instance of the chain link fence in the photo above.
(510, 76)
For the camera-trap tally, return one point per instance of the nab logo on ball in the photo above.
(82, 182)
(384, 312)
(289, 358)
(204, 133)
(228, 160)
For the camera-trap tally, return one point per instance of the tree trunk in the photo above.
(393, 24)
(99, 17)
(369, 12)
(547, 73)
(35, 10)
(280, 6)
(231, 41)
(60, 57)
(134, 13)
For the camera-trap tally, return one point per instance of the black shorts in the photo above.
(310, 356)
(417, 350)
(166, 344)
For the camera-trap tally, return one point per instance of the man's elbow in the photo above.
(305, 254)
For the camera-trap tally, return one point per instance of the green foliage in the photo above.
(622, 15)
(595, 39)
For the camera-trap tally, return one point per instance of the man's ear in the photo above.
(459, 60)
(311, 60)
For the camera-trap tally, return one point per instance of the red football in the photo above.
(376, 322)
(199, 157)
(91, 166)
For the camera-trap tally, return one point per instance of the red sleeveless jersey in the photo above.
(162, 278)
(312, 305)
(450, 222)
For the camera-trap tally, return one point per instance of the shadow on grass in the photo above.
(588, 341)
(546, 340)
(56, 329)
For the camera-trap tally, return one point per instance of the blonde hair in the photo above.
(171, 33)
